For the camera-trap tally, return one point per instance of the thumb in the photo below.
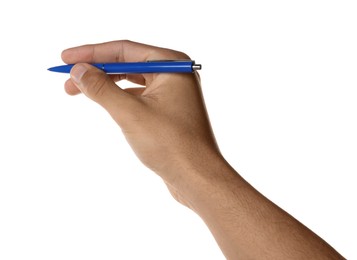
(98, 86)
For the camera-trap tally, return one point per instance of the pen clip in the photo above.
(194, 65)
(193, 62)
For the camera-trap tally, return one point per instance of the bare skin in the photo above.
(166, 123)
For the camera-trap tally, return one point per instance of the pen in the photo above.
(165, 66)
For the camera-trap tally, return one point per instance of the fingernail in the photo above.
(77, 72)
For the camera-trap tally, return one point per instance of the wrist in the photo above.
(198, 178)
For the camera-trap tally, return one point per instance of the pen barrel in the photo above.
(147, 67)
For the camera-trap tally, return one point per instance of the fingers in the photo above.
(70, 88)
(116, 51)
(120, 51)
(99, 87)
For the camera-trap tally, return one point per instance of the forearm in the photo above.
(245, 224)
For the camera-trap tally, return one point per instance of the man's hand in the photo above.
(166, 124)
(164, 121)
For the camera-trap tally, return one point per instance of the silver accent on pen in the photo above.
(196, 66)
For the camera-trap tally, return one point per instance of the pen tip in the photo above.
(62, 68)
(53, 69)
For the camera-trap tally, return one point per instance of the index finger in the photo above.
(118, 51)
(121, 51)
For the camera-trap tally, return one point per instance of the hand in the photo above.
(166, 124)
(165, 121)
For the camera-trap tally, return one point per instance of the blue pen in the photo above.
(169, 66)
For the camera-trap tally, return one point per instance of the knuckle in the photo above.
(182, 55)
(125, 41)
(168, 54)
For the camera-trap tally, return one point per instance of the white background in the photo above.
(279, 79)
